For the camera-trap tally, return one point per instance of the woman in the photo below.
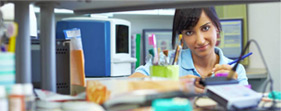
(200, 28)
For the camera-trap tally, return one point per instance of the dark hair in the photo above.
(188, 18)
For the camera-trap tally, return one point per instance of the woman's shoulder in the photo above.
(185, 51)
(223, 59)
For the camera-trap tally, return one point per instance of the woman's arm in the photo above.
(198, 87)
(137, 74)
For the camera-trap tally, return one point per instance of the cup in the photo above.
(170, 71)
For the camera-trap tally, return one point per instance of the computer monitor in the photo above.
(230, 40)
(163, 40)
(231, 37)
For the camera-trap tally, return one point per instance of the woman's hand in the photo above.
(189, 76)
(198, 87)
(225, 68)
(137, 75)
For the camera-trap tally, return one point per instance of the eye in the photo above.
(205, 28)
(188, 33)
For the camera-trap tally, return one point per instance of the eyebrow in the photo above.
(189, 28)
(205, 24)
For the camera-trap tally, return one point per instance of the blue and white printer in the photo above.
(106, 44)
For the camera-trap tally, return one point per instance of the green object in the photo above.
(276, 94)
(174, 104)
(170, 71)
(151, 51)
(138, 45)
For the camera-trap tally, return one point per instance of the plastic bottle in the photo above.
(3, 99)
(16, 98)
(29, 98)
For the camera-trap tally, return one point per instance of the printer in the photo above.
(106, 44)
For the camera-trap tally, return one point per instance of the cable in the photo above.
(266, 67)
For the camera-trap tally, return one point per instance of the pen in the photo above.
(3, 49)
(178, 49)
(243, 57)
(230, 63)
(175, 61)
(232, 71)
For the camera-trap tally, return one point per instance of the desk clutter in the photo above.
(165, 63)
(152, 93)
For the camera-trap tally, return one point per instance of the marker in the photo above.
(152, 41)
(243, 57)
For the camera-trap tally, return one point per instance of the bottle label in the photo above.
(16, 104)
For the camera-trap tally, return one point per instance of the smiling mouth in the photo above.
(202, 47)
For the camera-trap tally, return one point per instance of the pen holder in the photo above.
(170, 71)
(7, 70)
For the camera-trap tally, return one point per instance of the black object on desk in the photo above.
(62, 65)
(217, 81)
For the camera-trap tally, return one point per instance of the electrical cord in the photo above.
(266, 67)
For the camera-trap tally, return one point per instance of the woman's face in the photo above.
(202, 38)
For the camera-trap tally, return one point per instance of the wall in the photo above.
(140, 22)
(264, 27)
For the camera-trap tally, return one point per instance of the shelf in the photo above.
(92, 6)
(168, 12)
(57, 11)
(256, 73)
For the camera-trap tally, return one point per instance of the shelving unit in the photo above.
(23, 62)
(256, 73)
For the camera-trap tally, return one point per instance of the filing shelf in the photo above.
(47, 31)
(256, 73)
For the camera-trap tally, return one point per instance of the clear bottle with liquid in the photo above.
(29, 98)
(3, 99)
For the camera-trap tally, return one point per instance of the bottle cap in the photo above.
(28, 89)
(17, 89)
